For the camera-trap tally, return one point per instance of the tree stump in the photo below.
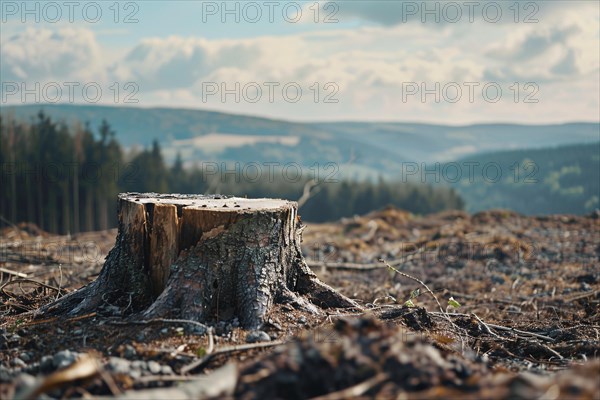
(204, 258)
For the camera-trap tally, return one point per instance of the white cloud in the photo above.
(48, 55)
(370, 65)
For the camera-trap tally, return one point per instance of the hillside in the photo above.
(562, 180)
(377, 148)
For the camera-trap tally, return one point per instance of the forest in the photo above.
(552, 180)
(65, 179)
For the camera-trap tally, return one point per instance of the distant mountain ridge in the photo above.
(376, 148)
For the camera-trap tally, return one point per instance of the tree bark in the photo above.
(204, 258)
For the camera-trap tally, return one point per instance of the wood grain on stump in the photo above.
(204, 258)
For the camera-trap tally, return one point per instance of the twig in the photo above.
(556, 353)
(364, 266)
(22, 307)
(582, 296)
(498, 327)
(46, 321)
(59, 282)
(11, 272)
(110, 382)
(9, 222)
(307, 191)
(211, 342)
(228, 349)
(23, 280)
(478, 298)
(168, 378)
(486, 326)
(157, 320)
(422, 284)
(535, 335)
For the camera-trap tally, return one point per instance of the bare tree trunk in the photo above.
(66, 209)
(13, 198)
(103, 210)
(89, 209)
(204, 258)
(76, 202)
(40, 201)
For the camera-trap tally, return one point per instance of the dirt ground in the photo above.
(514, 312)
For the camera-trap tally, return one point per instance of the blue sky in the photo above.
(535, 62)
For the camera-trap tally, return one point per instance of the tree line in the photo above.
(65, 179)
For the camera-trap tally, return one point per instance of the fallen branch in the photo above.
(28, 280)
(488, 330)
(53, 319)
(220, 383)
(498, 327)
(520, 332)
(11, 272)
(364, 266)
(86, 366)
(223, 350)
(161, 320)
(582, 296)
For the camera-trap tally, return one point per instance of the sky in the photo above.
(435, 62)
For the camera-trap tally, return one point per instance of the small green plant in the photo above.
(453, 303)
(413, 295)
(200, 351)
(13, 328)
(444, 313)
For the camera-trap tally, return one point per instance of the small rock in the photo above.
(139, 364)
(119, 365)
(164, 331)
(166, 370)
(193, 329)
(154, 367)
(25, 357)
(585, 286)
(17, 362)
(135, 373)
(257, 336)
(129, 351)
(5, 374)
(302, 319)
(111, 310)
(46, 363)
(64, 358)
(77, 332)
(23, 382)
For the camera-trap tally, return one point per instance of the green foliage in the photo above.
(66, 180)
(561, 180)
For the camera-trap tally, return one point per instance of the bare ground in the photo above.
(526, 323)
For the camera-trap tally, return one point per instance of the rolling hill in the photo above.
(376, 148)
(560, 180)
